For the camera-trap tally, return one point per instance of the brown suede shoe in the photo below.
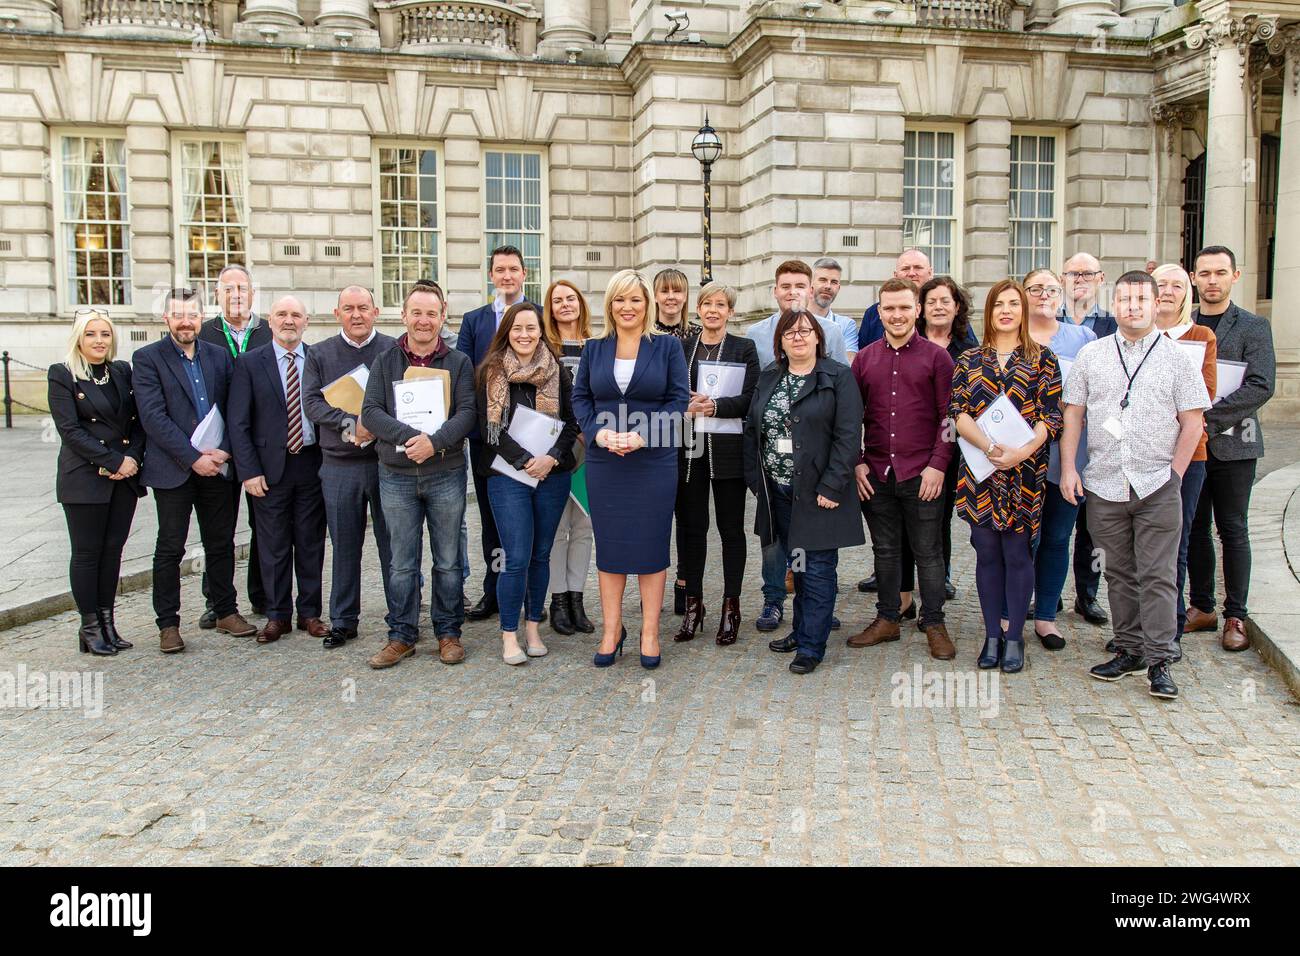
(878, 632)
(235, 625)
(1198, 620)
(169, 640)
(450, 651)
(390, 654)
(313, 626)
(1234, 635)
(273, 631)
(941, 649)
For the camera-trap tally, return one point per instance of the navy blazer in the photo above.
(165, 402)
(659, 385)
(258, 423)
(476, 331)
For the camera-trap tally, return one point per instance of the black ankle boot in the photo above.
(91, 638)
(561, 619)
(110, 630)
(692, 619)
(579, 614)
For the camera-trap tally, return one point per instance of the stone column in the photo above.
(345, 15)
(1084, 8)
(1144, 9)
(1170, 119)
(273, 12)
(567, 22)
(1286, 262)
(39, 15)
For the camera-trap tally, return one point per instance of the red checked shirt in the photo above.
(905, 394)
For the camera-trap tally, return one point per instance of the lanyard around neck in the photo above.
(1123, 402)
(235, 346)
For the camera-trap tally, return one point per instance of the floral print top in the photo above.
(776, 425)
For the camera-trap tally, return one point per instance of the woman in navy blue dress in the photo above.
(630, 397)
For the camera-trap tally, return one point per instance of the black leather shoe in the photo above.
(867, 585)
(803, 665)
(337, 637)
(110, 630)
(1118, 667)
(1013, 655)
(92, 639)
(910, 613)
(783, 645)
(208, 620)
(484, 609)
(561, 616)
(991, 654)
(1162, 684)
(580, 620)
(1091, 611)
(835, 623)
(949, 591)
(1112, 647)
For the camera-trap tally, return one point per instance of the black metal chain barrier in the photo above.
(9, 400)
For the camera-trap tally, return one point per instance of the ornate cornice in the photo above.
(1240, 32)
(1171, 118)
(1284, 47)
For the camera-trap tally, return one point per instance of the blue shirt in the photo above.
(194, 372)
(1089, 321)
(848, 328)
(299, 359)
(872, 329)
(1067, 341)
(761, 333)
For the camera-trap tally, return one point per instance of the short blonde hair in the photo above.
(716, 288)
(76, 362)
(623, 283)
(1170, 268)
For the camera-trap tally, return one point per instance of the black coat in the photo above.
(725, 452)
(522, 393)
(826, 427)
(95, 435)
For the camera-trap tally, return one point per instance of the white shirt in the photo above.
(623, 369)
(358, 345)
(499, 306)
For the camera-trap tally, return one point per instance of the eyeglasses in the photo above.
(796, 333)
(1044, 291)
(1085, 276)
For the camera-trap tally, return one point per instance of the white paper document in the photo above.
(720, 380)
(1196, 350)
(1065, 365)
(1231, 375)
(210, 434)
(1004, 425)
(419, 402)
(536, 434)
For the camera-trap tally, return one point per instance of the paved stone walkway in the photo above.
(238, 753)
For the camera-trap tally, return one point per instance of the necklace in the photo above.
(99, 381)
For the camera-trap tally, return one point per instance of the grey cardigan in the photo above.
(1242, 337)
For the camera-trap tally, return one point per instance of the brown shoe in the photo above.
(1198, 620)
(450, 651)
(1234, 635)
(941, 649)
(169, 640)
(789, 582)
(273, 631)
(235, 625)
(878, 632)
(313, 626)
(390, 654)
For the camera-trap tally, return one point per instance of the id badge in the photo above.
(1113, 426)
(784, 446)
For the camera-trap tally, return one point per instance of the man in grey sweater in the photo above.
(422, 480)
(349, 473)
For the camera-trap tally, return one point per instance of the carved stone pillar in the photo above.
(1170, 120)
(567, 22)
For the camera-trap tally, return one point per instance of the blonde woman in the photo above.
(671, 291)
(1174, 318)
(630, 397)
(98, 478)
(566, 326)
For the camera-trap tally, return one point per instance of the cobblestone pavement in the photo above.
(238, 753)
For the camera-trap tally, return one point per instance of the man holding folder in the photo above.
(334, 386)
(420, 443)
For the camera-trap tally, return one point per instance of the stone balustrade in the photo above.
(483, 25)
(187, 16)
(965, 14)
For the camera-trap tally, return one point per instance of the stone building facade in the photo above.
(326, 142)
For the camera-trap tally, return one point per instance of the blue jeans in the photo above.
(814, 587)
(412, 502)
(1193, 482)
(1052, 563)
(775, 562)
(350, 489)
(526, 520)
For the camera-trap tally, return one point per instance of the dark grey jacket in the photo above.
(1242, 337)
(378, 415)
(826, 426)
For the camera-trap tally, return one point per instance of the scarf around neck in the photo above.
(542, 371)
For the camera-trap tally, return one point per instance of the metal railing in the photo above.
(965, 14)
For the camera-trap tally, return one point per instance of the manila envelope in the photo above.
(345, 395)
(416, 371)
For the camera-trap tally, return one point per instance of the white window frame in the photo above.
(1058, 194)
(392, 312)
(544, 233)
(958, 132)
(181, 253)
(63, 298)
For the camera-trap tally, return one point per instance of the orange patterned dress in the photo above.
(1008, 500)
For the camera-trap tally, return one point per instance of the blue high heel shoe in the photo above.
(605, 660)
(649, 663)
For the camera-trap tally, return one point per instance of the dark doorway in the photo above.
(1193, 210)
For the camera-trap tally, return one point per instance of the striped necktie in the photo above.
(293, 399)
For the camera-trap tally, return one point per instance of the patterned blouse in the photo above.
(1008, 500)
(776, 425)
(682, 330)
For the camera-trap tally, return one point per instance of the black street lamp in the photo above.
(707, 147)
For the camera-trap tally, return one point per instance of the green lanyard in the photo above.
(230, 340)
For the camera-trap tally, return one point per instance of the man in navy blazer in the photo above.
(178, 381)
(476, 331)
(278, 458)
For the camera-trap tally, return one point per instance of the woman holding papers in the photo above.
(98, 478)
(566, 324)
(1052, 562)
(723, 372)
(525, 415)
(1018, 383)
(1174, 318)
(630, 396)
